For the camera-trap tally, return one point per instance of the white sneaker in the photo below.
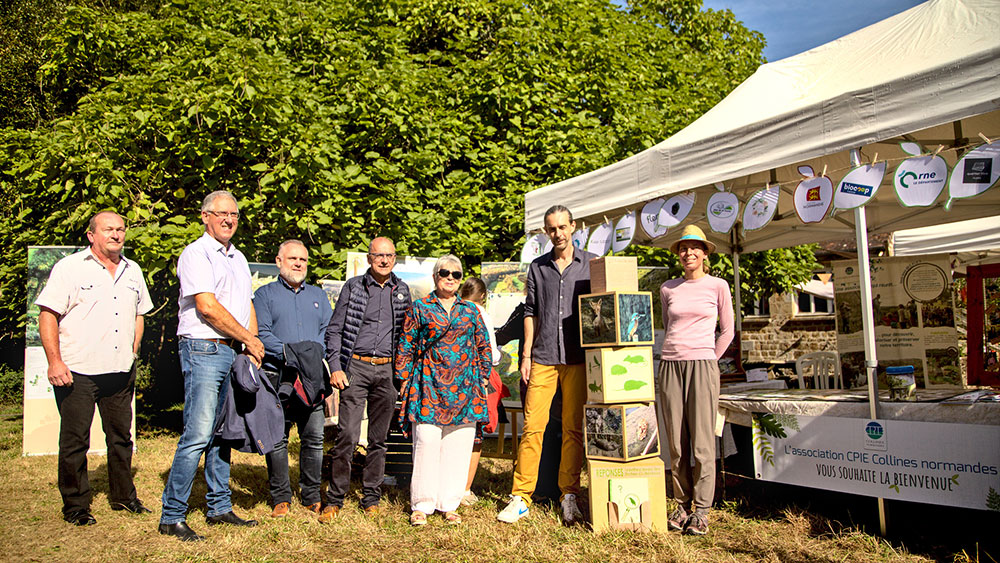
(570, 511)
(514, 511)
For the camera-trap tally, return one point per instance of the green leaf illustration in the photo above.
(635, 359)
(954, 479)
(618, 369)
(633, 384)
(993, 500)
(895, 488)
(761, 441)
(769, 425)
(595, 388)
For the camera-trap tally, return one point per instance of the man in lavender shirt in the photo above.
(216, 320)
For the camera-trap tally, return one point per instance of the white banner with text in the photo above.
(932, 462)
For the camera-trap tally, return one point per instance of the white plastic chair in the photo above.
(821, 366)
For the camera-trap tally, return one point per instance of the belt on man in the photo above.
(231, 342)
(371, 360)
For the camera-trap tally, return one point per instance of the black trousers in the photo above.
(374, 384)
(112, 394)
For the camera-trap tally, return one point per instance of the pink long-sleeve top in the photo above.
(690, 311)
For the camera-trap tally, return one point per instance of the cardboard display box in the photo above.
(614, 273)
(620, 375)
(621, 432)
(628, 496)
(616, 318)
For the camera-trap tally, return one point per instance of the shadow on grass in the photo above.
(934, 531)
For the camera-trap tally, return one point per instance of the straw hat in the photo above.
(692, 232)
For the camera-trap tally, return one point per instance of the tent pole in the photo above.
(738, 294)
(868, 326)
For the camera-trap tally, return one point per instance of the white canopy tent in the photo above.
(930, 74)
(974, 242)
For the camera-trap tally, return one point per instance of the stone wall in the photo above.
(785, 335)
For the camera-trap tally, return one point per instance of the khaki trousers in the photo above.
(687, 399)
(541, 388)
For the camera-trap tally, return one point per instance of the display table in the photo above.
(928, 405)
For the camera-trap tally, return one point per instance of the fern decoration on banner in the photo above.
(764, 425)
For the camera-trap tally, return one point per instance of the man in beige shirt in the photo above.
(90, 323)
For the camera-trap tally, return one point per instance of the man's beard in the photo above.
(292, 276)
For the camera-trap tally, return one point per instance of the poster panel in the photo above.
(893, 459)
(505, 285)
(332, 289)
(416, 271)
(914, 318)
(40, 423)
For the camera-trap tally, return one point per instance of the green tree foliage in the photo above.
(333, 121)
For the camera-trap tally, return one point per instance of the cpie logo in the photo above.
(813, 194)
(874, 430)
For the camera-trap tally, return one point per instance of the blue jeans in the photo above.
(206, 366)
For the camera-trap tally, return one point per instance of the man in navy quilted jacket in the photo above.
(360, 348)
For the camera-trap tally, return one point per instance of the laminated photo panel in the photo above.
(616, 318)
(628, 496)
(614, 273)
(620, 375)
(621, 432)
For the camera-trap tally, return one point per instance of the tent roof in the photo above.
(930, 74)
(973, 242)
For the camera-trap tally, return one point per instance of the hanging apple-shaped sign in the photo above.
(919, 180)
(723, 209)
(534, 247)
(649, 219)
(580, 238)
(600, 239)
(975, 173)
(675, 209)
(813, 196)
(858, 186)
(760, 208)
(624, 231)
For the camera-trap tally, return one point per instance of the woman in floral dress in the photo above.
(443, 358)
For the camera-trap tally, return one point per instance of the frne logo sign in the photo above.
(813, 194)
(977, 170)
(875, 438)
(856, 189)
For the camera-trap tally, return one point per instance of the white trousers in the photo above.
(441, 457)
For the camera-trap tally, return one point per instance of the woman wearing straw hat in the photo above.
(688, 378)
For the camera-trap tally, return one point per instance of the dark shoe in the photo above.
(229, 518)
(80, 518)
(135, 507)
(180, 530)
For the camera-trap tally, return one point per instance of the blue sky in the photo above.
(793, 26)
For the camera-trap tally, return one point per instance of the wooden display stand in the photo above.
(621, 432)
(616, 318)
(620, 375)
(614, 273)
(628, 496)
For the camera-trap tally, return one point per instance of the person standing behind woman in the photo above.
(473, 289)
(443, 358)
(688, 379)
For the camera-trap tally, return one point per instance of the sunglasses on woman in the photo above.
(455, 275)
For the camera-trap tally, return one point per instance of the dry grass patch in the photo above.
(34, 531)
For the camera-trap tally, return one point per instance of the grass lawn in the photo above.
(741, 530)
